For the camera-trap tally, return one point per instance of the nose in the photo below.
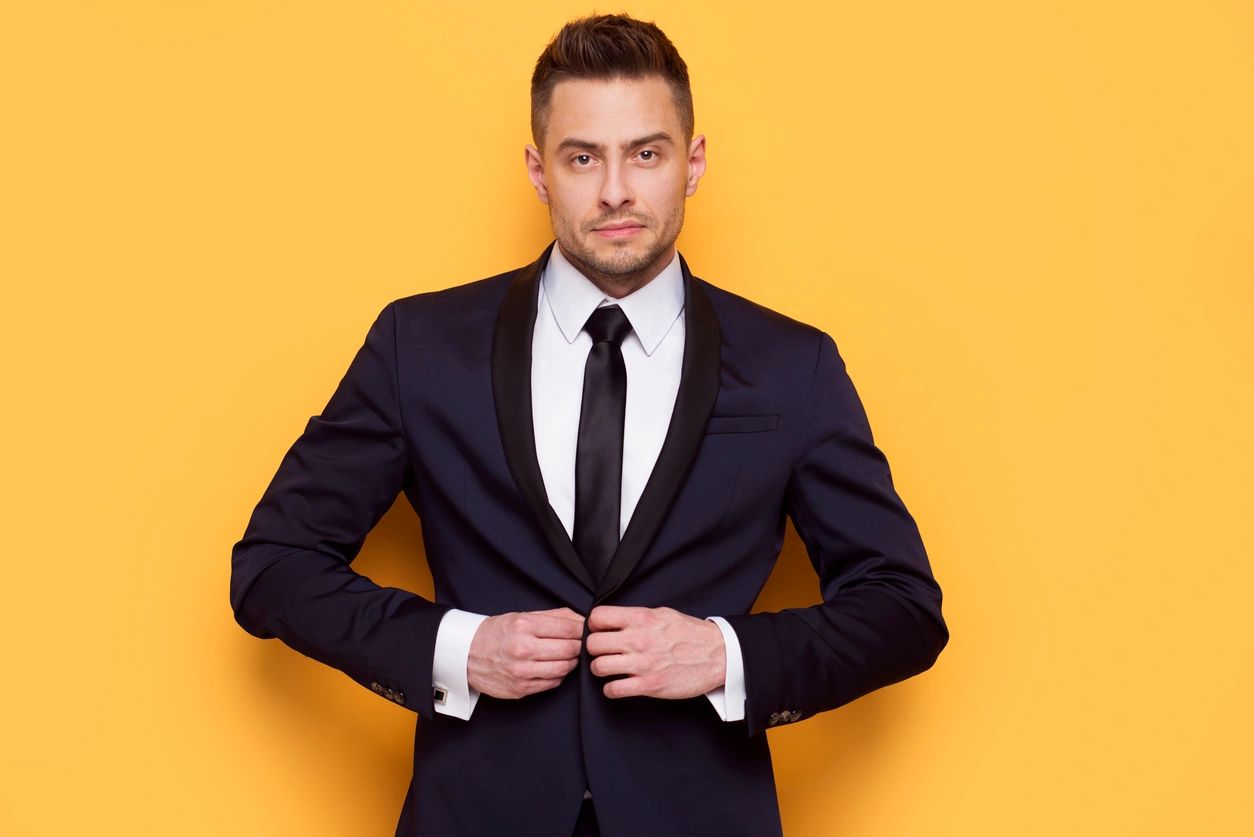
(615, 191)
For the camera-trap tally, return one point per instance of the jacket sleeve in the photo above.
(880, 619)
(290, 573)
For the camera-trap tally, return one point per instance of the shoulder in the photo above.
(466, 297)
(751, 325)
(451, 315)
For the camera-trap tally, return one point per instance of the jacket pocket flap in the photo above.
(741, 424)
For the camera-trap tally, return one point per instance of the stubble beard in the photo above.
(622, 267)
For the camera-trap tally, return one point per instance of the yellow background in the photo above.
(1027, 225)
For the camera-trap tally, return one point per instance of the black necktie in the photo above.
(599, 454)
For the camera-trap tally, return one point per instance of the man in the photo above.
(603, 449)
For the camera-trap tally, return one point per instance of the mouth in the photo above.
(623, 230)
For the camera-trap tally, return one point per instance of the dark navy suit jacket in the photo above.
(766, 425)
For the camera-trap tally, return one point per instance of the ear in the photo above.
(535, 171)
(696, 162)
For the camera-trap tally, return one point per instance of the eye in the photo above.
(652, 154)
(579, 157)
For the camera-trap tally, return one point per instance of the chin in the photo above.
(622, 266)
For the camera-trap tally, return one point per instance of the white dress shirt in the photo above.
(653, 355)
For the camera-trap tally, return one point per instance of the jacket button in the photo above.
(389, 694)
(400, 698)
(376, 688)
(774, 719)
(795, 716)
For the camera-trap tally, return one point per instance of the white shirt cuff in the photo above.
(448, 674)
(729, 699)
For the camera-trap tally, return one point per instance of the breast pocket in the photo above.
(741, 424)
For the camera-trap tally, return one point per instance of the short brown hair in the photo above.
(607, 47)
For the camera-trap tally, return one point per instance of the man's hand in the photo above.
(518, 654)
(667, 654)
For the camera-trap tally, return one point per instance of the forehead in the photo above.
(610, 110)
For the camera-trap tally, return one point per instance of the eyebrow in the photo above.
(572, 142)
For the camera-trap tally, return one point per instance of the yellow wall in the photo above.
(1027, 224)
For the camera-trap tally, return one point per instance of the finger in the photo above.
(557, 649)
(547, 670)
(563, 612)
(546, 624)
(624, 687)
(612, 664)
(610, 617)
(610, 642)
(531, 687)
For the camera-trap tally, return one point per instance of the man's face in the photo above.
(614, 155)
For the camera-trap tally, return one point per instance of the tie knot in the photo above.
(608, 323)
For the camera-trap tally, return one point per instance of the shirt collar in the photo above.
(651, 309)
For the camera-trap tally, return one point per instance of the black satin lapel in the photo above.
(698, 389)
(511, 389)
